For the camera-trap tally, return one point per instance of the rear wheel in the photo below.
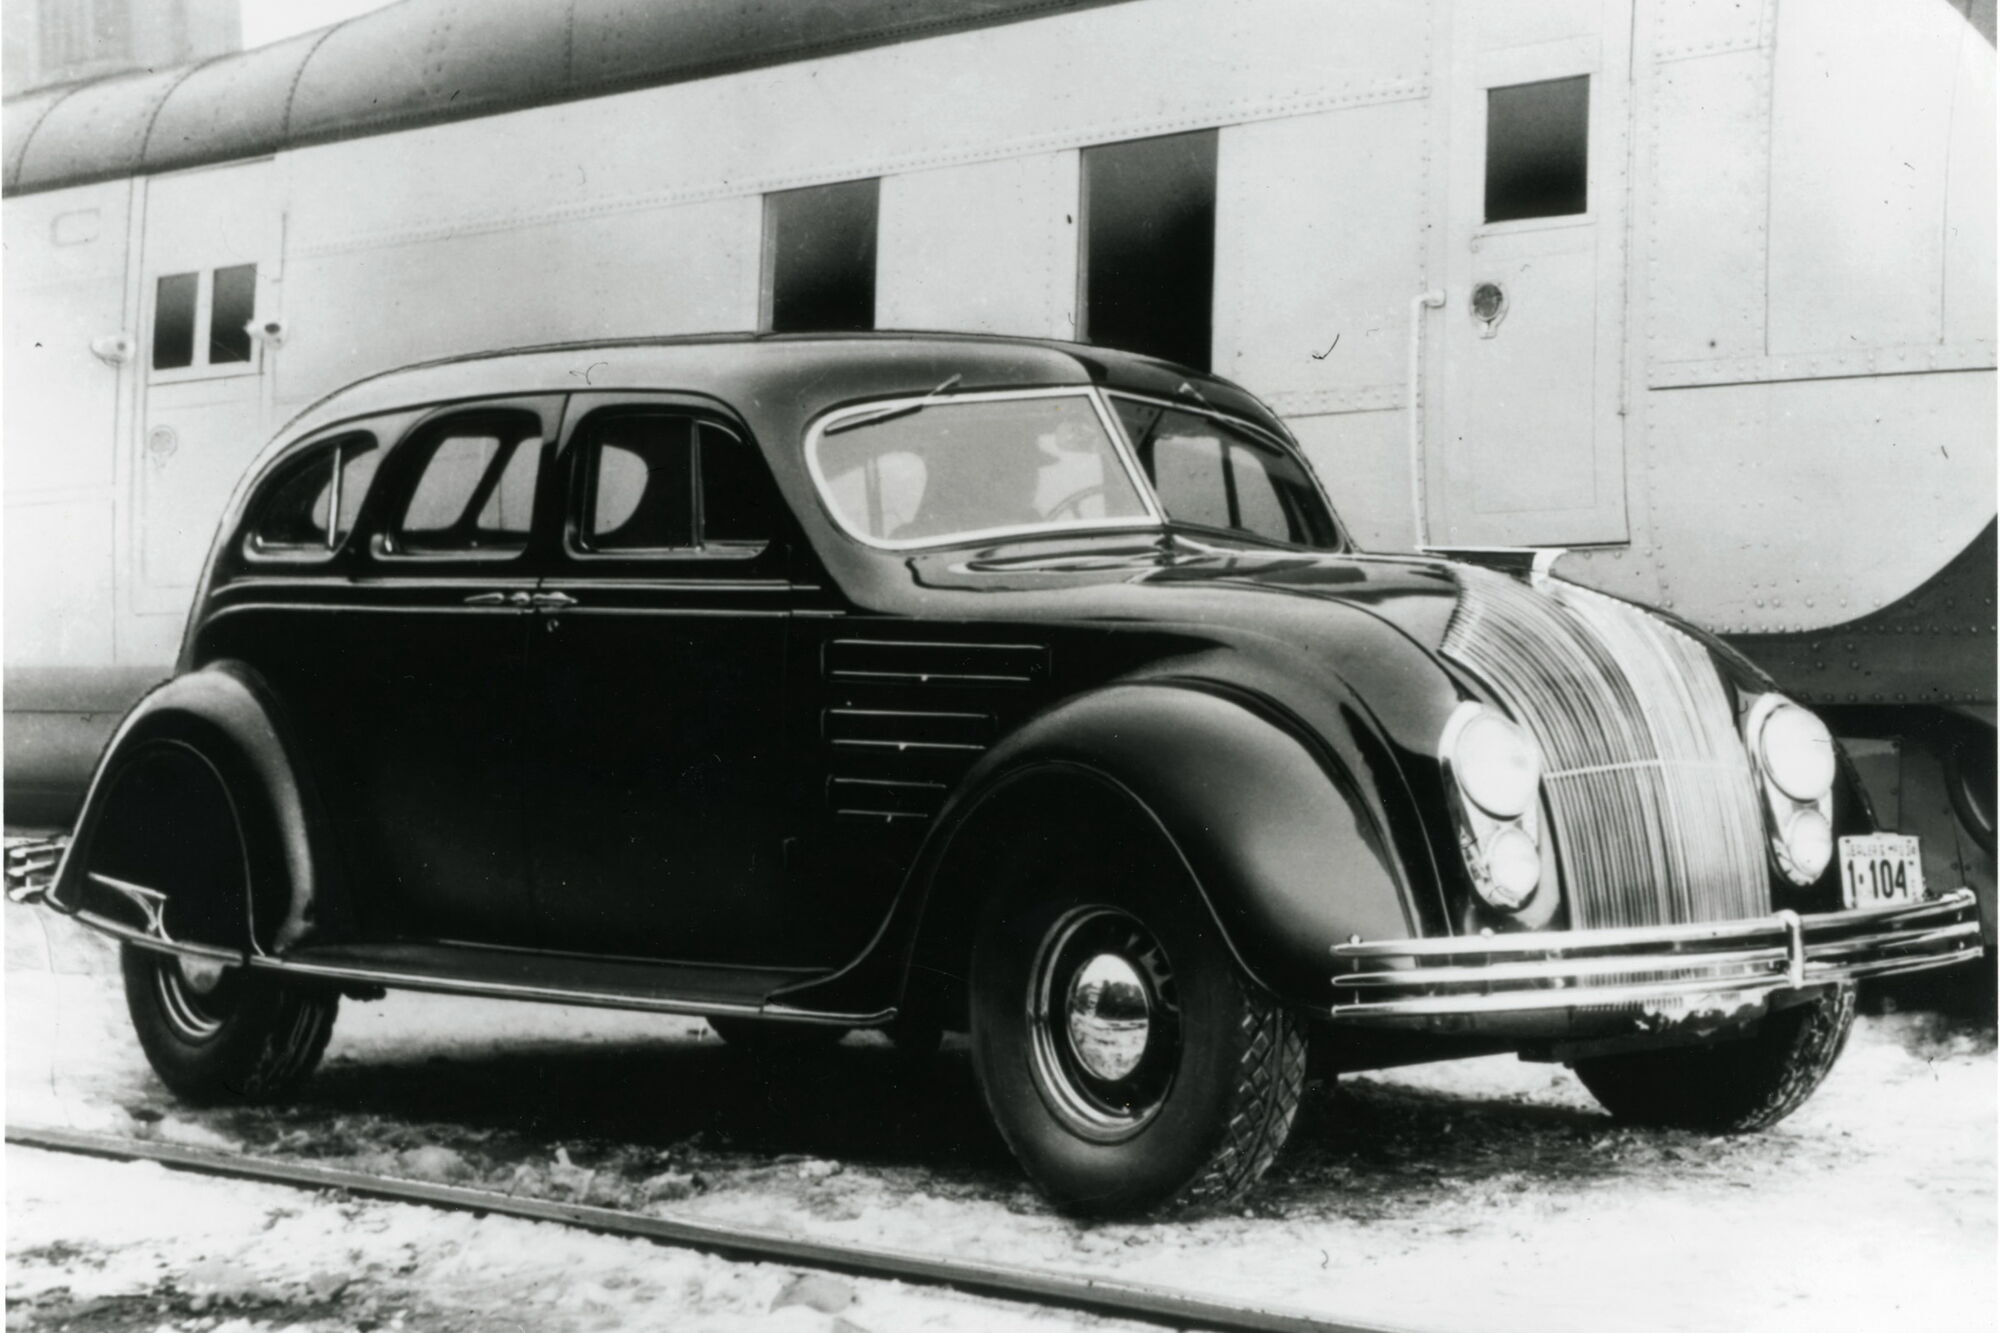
(217, 1033)
(1731, 1087)
(1125, 1059)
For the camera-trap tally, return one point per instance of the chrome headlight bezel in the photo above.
(1797, 784)
(1498, 811)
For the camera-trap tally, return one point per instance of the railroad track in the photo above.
(1009, 1282)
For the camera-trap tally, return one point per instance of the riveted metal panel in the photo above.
(439, 59)
(1784, 506)
(1969, 242)
(990, 247)
(1319, 237)
(17, 127)
(98, 131)
(1861, 123)
(234, 108)
(1707, 202)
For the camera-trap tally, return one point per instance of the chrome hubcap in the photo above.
(1108, 1017)
(1104, 1023)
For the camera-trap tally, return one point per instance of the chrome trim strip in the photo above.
(1154, 519)
(504, 990)
(214, 953)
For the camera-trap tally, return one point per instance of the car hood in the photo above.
(1414, 594)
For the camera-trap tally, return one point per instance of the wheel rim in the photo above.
(192, 996)
(1104, 1023)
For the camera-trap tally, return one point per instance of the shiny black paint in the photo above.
(768, 762)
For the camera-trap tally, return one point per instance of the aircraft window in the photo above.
(233, 305)
(311, 509)
(820, 258)
(173, 321)
(1148, 241)
(1538, 149)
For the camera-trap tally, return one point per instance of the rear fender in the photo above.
(197, 799)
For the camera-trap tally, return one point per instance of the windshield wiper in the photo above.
(901, 410)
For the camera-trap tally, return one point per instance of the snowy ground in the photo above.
(1482, 1195)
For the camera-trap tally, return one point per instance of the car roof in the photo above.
(778, 382)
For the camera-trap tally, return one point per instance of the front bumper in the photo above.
(1717, 966)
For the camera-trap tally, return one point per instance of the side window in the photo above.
(309, 509)
(474, 490)
(201, 321)
(639, 474)
(667, 483)
(1210, 475)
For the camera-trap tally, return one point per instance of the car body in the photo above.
(925, 682)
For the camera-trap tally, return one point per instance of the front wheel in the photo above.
(1730, 1087)
(1127, 1062)
(215, 1033)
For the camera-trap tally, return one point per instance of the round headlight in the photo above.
(1496, 765)
(1513, 868)
(1808, 844)
(1797, 752)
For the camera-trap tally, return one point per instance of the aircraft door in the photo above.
(208, 291)
(1527, 440)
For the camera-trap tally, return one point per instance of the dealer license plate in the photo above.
(1881, 869)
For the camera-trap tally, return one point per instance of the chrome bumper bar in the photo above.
(31, 866)
(1734, 961)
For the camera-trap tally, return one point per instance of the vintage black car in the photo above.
(928, 683)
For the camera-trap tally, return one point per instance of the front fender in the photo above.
(224, 716)
(1275, 834)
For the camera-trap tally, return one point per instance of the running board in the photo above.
(516, 974)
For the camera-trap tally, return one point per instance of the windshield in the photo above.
(1210, 474)
(946, 469)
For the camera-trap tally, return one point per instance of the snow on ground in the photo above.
(1485, 1194)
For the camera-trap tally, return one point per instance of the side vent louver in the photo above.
(907, 719)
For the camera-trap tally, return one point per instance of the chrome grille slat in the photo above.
(1651, 798)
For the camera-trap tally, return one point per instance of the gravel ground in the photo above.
(1485, 1194)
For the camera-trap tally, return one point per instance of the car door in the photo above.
(414, 683)
(659, 804)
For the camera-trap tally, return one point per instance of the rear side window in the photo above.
(309, 508)
(670, 483)
(474, 491)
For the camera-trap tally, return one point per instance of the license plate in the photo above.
(1881, 869)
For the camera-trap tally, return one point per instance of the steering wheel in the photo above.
(1074, 500)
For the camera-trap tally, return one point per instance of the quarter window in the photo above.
(311, 507)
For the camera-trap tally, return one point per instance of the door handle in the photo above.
(499, 599)
(553, 600)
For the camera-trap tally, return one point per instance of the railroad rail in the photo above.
(1009, 1282)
